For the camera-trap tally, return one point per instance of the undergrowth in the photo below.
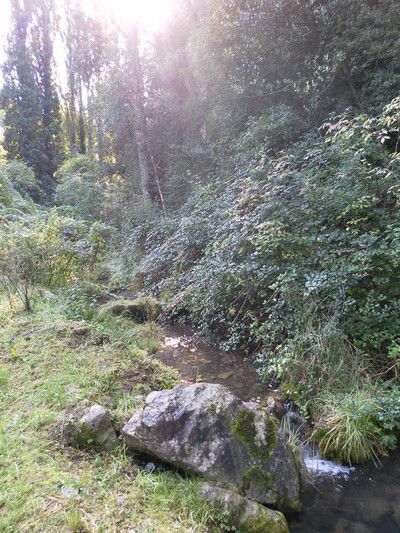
(50, 365)
(295, 259)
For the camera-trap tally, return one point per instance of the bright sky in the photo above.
(150, 15)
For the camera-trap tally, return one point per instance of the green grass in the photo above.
(49, 365)
(350, 430)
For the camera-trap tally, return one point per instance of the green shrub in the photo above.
(78, 302)
(141, 309)
(80, 187)
(269, 133)
(46, 251)
(21, 177)
(12, 203)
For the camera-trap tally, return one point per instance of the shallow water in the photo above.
(366, 501)
(341, 500)
(197, 361)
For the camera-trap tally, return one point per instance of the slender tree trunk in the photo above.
(82, 139)
(72, 113)
(99, 137)
(89, 126)
(160, 193)
(141, 135)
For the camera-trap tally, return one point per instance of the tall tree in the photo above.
(44, 26)
(29, 96)
(21, 97)
(74, 38)
(141, 134)
(85, 44)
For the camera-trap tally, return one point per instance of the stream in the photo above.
(365, 499)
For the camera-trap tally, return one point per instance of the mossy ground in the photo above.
(49, 365)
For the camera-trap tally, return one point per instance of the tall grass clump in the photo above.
(360, 425)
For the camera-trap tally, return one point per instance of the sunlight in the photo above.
(150, 15)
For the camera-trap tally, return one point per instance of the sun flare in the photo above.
(149, 15)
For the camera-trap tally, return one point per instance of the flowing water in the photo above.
(367, 500)
(341, 499)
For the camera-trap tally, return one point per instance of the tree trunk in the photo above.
(89, 126)
(82, 136)
(141, 136)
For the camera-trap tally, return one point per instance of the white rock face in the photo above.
(205, 429)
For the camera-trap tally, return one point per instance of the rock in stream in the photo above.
(205, 429)
(244, 514)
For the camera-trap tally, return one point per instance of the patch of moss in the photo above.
(213, 408)
(81, 437)
(244, 429)
(266, 520)
(257, 479)
(141, 309)
(294, 505)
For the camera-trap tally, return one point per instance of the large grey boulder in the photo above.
(205, 429)
(244, 514)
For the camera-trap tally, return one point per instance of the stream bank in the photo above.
(365, 499)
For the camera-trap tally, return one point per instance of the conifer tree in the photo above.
(43, 31)
(29, 96)
(20, 94)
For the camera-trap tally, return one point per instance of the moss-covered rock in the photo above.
(205, 429)
(259, 436)
(93, 430)
(140, 310)
(243, 514)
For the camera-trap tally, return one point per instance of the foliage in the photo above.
(46, 251)
(274, 237)
(295, 257)
(21, 177)
(79, 187)
(29, 96)
(12, 204)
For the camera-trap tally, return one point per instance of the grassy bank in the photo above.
(49, 366)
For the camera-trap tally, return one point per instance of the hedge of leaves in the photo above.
(296, 259)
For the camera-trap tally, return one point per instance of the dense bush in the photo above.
(12, 203)
(46, 251)
(79, 186)
(21, 177)
(296, 258)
